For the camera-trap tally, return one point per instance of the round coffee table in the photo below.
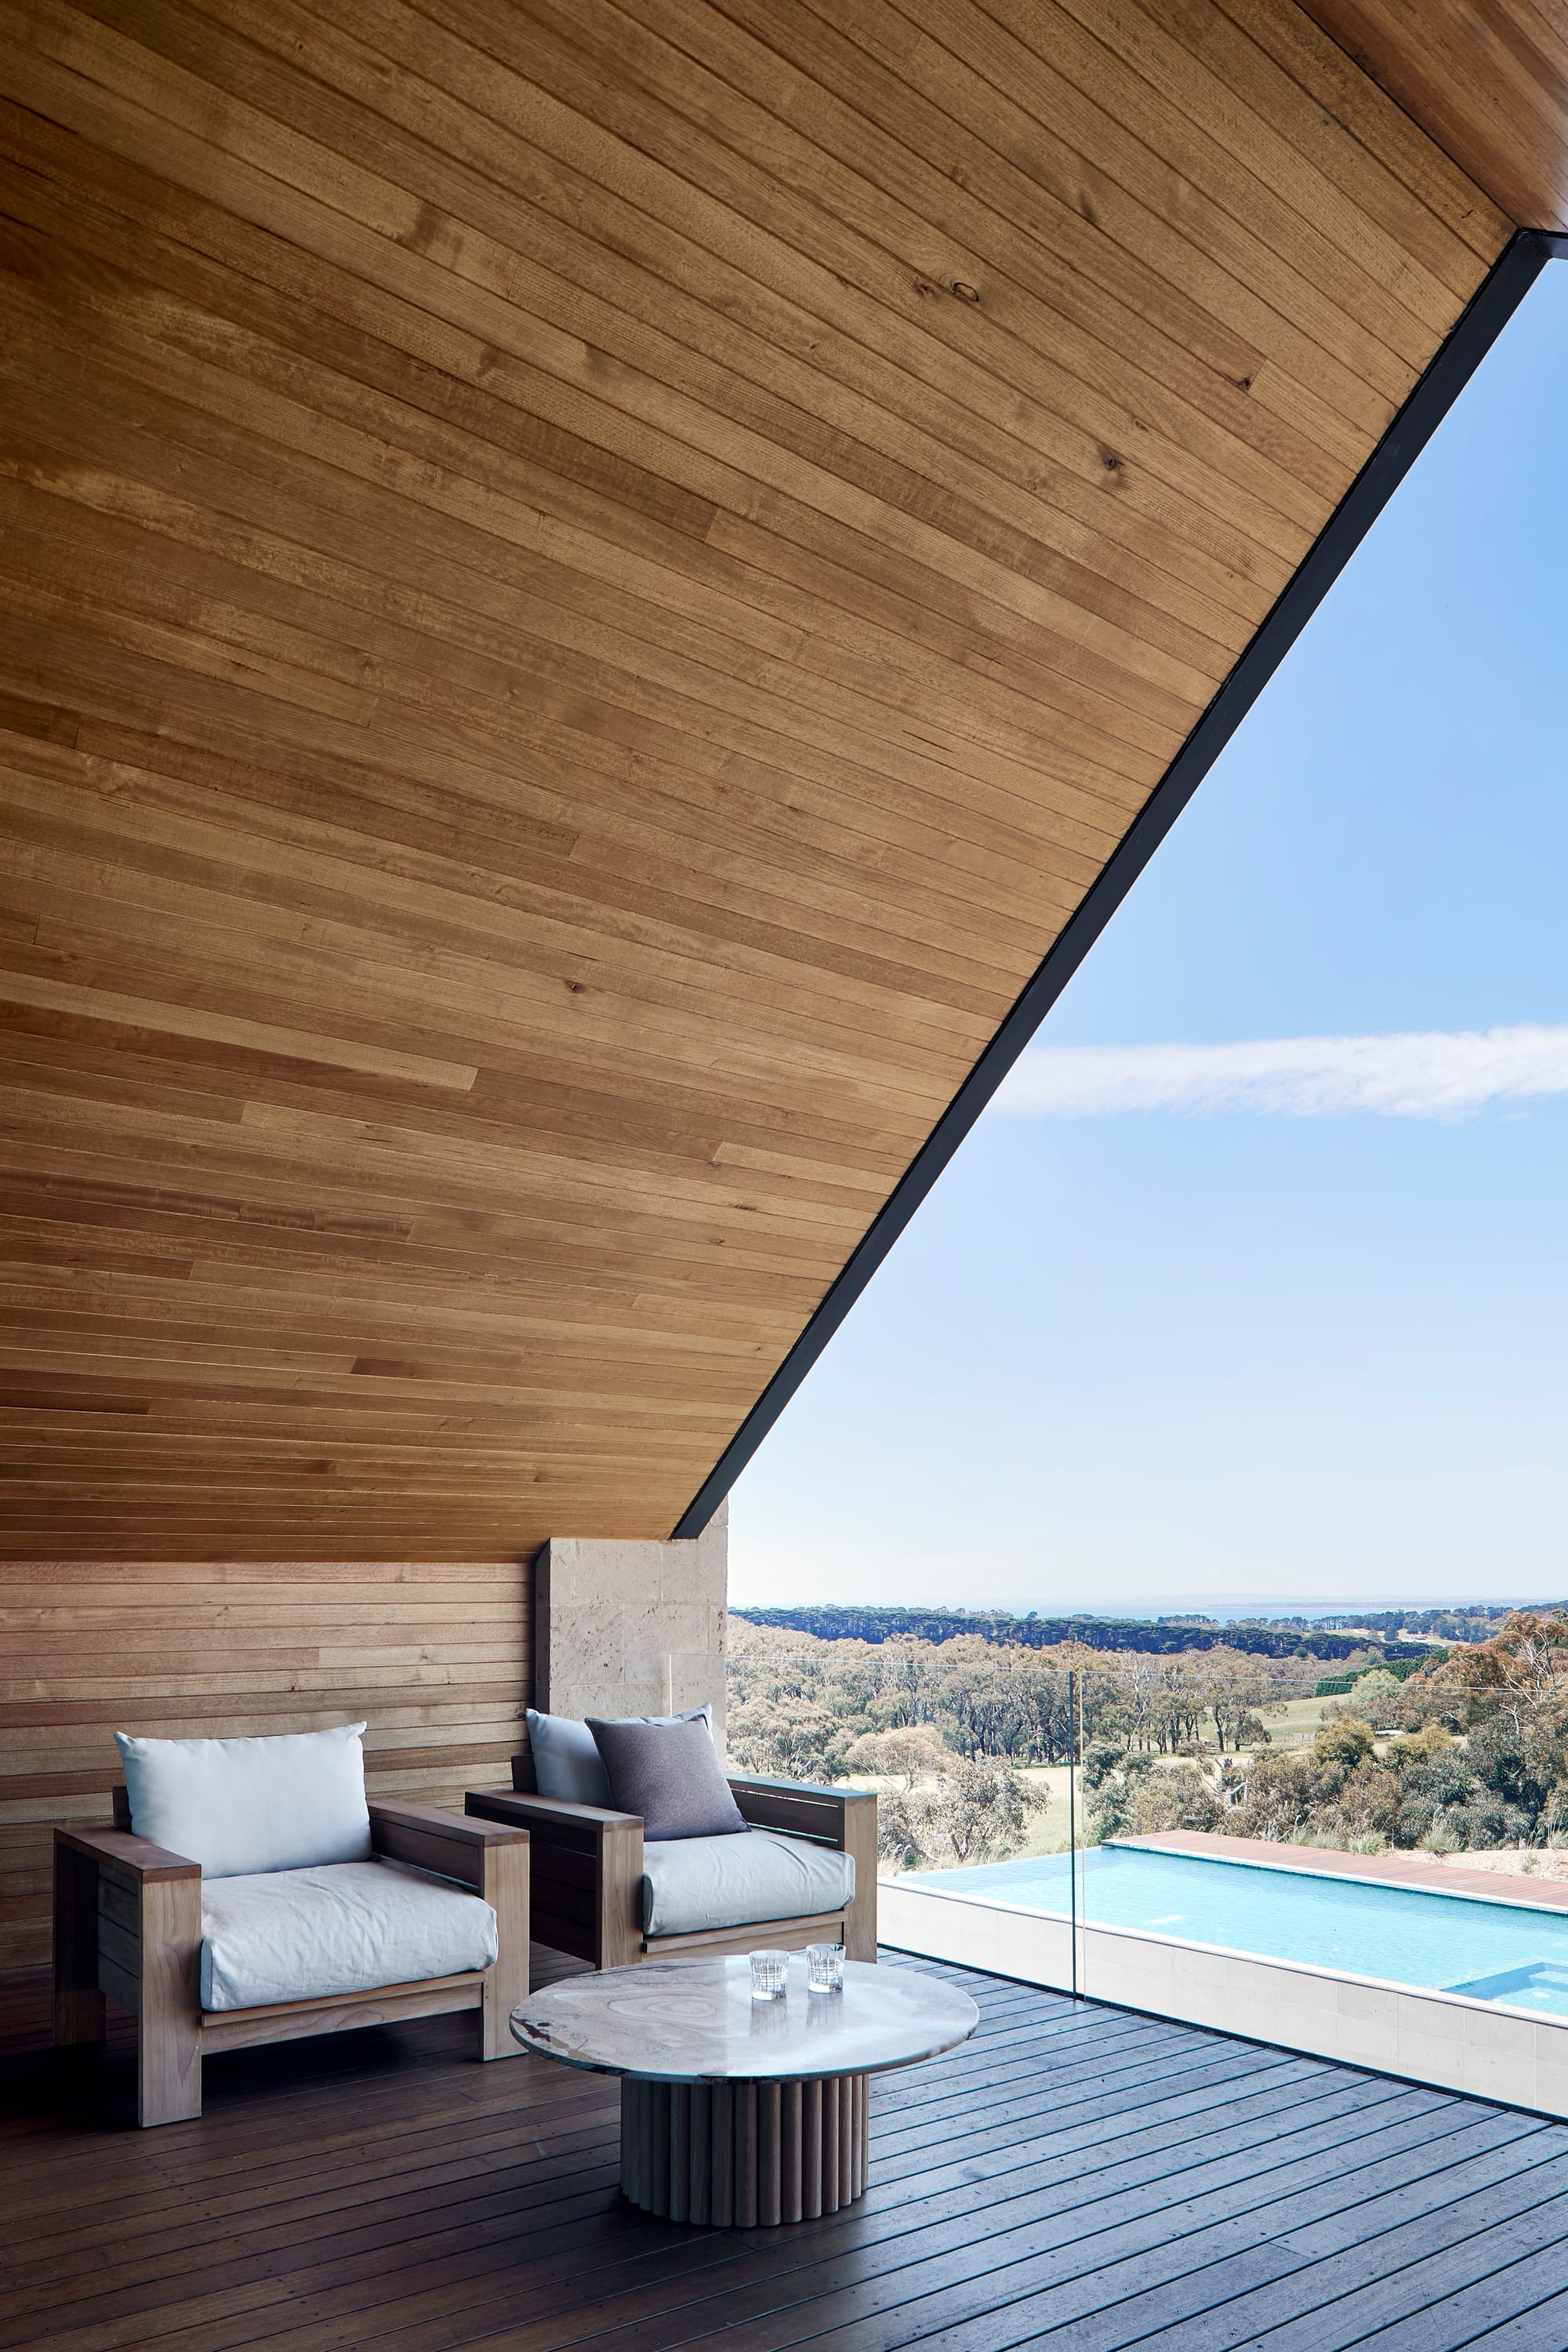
(738, 2112)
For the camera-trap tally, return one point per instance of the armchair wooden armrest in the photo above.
(493, 1859)
(587, 1872)
(843, 1818)
(134, 1858)
(453, 1844)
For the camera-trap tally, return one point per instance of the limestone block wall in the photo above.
(632, 1628)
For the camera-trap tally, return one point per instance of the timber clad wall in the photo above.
(436, 1658)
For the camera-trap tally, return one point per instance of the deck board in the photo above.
(1077, 2172)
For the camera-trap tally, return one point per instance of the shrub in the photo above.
(970, 1812)
(907, 1756)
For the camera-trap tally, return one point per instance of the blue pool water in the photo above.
(1501, 1952)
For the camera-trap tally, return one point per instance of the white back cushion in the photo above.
(239, 1806)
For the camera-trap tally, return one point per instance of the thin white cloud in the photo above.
(1424, 1073)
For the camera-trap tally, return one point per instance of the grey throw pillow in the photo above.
(671, 1774)
(567, 1764)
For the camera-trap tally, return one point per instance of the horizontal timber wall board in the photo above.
(588, 589)
(435, 1657)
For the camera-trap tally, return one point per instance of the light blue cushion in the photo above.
(286, 1800)
(728, 1881)
(568, 1765)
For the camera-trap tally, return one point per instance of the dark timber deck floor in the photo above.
(1077, 2174)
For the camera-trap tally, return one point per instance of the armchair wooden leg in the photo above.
(169, 2045)
(78, 2002)
(504, 1885)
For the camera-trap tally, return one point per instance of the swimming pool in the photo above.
(1511, 1954)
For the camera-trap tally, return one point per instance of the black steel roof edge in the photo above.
(1468, 343)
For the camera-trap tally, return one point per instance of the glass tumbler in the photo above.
(825, 1962)
(769, 1970)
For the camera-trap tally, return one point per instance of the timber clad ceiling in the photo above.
(1488, 79)
(589, 588)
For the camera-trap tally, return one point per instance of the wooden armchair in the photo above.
(127, 1922)
(587, 1870)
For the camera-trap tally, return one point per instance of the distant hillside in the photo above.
(1163, 1635)
(1476, 1622)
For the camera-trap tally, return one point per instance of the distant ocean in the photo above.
(1226, 1607)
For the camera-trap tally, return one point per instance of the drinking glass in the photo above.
(769, 1970)
(825, 1962)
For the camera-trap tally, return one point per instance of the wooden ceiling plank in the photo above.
(791, 1192)
(1489, 84)
(480, 998)
(1399, 177)
(868, 957)
(442, 637)
(1022, 635)
(758, 1222)
(471, 1230)
(172, 865)
(996, 233)
(453, 129)
(68, 896)
(1410, 176)
(993, 859)
(765, 125)
(216, 1028)
(36, 662)
(372, 814)
(262, 255)
(384, 655)
(758, 1234)
(318, 565)
(1290, 189)
(558, 294)
(1308, 354)
(667, 694)
(48, 463)
(924, 544)
(372, 239)
(577, 1121)
(250, 1226)
(1212, 37)
(859, 449)
(392, 1318)
(1092, 775)
(513, 1083)
(327, 1147)
(65, 858)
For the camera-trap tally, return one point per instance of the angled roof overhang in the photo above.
(601, 602)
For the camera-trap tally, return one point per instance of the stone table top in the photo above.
(695, 2021)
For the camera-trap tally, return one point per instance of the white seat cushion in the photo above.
(728, 1881)
(346, 1926)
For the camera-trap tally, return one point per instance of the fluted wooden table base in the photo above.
(741, 2154)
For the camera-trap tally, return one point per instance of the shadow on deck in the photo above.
(1080, 2173)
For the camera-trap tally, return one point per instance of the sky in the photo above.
(1252, 1288)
